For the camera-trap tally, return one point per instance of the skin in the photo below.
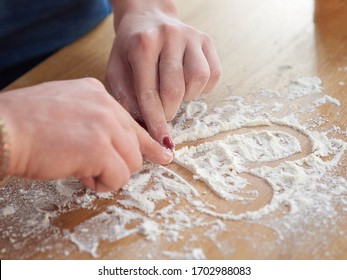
(75, 128)
(157, 61)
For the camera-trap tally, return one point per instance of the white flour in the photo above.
(304, 86)
(219, 163)
(195, 254)
(261, 151)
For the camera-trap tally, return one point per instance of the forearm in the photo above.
(123, 7)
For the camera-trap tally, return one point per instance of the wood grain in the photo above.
(261, 44)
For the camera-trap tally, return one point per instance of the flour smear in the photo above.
(250, 167)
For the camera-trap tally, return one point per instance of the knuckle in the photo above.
(199, 76)
(142, 41)
(171, 91)
(205, 37)
(216, 73)
(172, 65)
(170, 30)
(101, 116)
(192, 30)
(148, 96)
(93, 82)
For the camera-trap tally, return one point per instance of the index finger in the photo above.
(151, 149)
(145, 72)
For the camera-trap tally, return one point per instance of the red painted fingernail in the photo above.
(167, 142)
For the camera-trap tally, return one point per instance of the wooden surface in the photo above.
(256, 41)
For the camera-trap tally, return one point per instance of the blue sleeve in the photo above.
(32, 30)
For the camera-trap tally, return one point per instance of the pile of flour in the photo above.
(243, 144)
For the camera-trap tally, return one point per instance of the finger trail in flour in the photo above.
(308, 189)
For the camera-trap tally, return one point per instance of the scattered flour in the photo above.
(194, 254)
(326, 99)
(8, 210)
(269, 93)
(304, 86)
(218, 163)
(159, 205)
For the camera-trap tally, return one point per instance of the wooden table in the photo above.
(262, 45)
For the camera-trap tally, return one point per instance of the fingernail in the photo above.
(168, 143)
(168, 153)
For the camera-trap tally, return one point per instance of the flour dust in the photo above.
(249, 168)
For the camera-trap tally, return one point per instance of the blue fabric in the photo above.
(31, 30)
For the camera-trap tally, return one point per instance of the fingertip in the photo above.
(88, 182)
(94, 184)
(168, 143)
(163, 157)
(156, 153)
(167, 156)
(101, 188)
(156, 147)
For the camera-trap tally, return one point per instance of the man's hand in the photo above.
(157, 62)
(75, 128)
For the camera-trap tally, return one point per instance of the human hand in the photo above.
(157, 62)
(75, 128)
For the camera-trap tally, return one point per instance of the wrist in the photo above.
(123, 7)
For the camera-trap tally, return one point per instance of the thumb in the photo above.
(151, 149)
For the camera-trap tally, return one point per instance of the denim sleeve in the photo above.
(32, 30)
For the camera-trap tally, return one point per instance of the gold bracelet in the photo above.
(4, 149)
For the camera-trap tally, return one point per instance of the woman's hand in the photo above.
(75, 128)
(157, 62)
